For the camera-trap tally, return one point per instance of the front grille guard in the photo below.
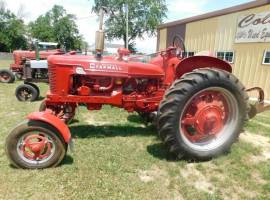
(259, 106)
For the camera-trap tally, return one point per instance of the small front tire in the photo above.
(26, 92)
(35, 145)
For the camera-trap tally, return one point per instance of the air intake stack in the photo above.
(100, 35)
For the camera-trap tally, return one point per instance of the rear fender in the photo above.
(53, 121)
(196, 62)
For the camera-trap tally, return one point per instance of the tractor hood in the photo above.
(32, 54)
(19, 55)
(107, 66)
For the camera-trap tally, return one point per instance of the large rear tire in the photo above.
(35, 145)
(202, 114)
(6, 76)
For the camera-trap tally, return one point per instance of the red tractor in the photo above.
(199, 105)
(20, 57)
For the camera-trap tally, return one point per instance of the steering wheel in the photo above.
(179, 44)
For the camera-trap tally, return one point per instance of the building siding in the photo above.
(218, 34)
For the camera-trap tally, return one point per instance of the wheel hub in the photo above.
(36, 147)
(25, 94)
(205, 116)
(209, 120)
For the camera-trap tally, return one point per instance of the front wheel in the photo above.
(202, 114)
(6, 76)
(26, 92)
(35, 145)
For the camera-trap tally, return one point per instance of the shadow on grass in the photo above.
(73, 121)
(68, 160)
(88, 131)
(135, 119)
(40, 98)
(158, 150)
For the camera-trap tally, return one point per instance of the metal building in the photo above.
(239, 35)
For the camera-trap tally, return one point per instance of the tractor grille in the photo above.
(52, 78)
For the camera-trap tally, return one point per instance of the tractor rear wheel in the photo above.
(26, 92)
(35, 145)
(6, 76)
(202, 114)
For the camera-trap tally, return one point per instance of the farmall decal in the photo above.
(98, 67)
(253, 28)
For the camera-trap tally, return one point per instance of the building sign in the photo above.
(253, 28)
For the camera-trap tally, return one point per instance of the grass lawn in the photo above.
(117, 157)
(4, 63)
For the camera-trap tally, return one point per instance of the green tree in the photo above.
(12, 34)
(57, 26)
(144, 16)
(42, 29)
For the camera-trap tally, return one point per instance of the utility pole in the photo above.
(126, 25)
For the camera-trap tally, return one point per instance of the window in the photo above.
(187, 54)
(226, 55)
(266, 57)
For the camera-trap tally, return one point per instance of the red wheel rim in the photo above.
(206, 116)
(36, 148)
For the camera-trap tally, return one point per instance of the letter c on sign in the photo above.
(246, 21)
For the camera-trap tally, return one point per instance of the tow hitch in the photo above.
(260, 106)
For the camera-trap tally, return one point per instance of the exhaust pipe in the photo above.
(37, 51)
(100, 35)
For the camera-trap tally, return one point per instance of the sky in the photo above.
(88, 22)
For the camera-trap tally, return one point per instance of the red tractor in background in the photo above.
(199, 105)
(31, 67)
(21, 56)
